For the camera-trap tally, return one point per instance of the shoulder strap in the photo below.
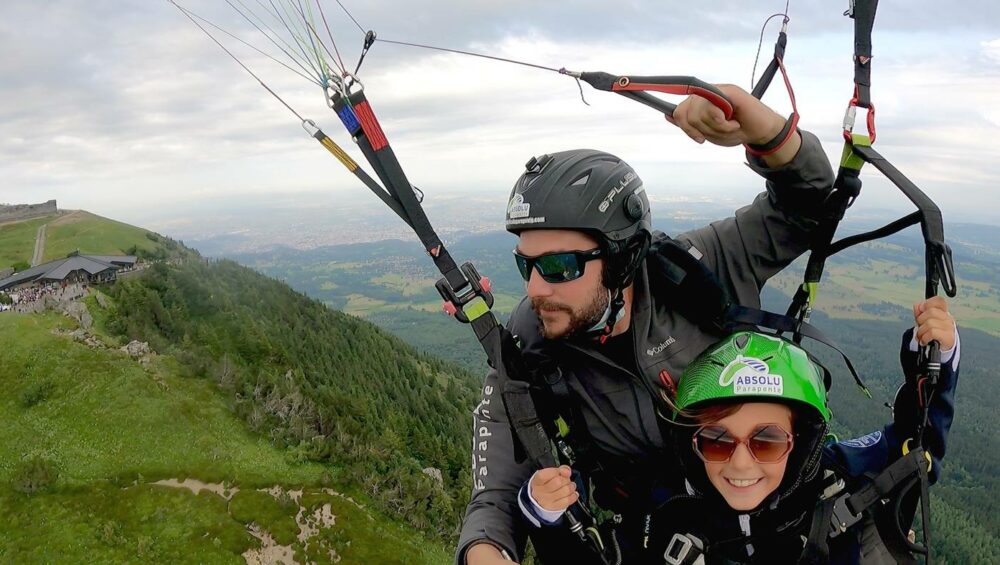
(678, 266)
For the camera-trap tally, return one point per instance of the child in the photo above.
(761, 480)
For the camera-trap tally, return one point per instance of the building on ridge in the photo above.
(75, 268)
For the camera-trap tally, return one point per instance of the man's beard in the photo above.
(579, 321)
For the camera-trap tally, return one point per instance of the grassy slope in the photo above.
(68, 232)
(92, 234)
(17, 240)
(108, 423)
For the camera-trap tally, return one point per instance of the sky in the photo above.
(125, 109)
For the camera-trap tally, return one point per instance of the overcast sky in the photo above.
(124, 108)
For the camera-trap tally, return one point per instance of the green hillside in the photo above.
(17, 240)
(264, 426)
(82, 231)
(334, 388)
(87, 431)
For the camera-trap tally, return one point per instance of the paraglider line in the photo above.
(760, 44)
(235, 58)
(346, 11)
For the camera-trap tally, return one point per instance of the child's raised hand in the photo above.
(553, 488)
(934, 323)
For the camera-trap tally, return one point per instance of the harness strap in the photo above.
(817, 547)
(894, 483)
(863, 13)
(345, 159)
(941, 269)
(525, 422)
(882, 486)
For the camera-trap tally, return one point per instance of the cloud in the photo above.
(991, 50)
(124, 107)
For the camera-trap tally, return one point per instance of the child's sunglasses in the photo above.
(768, 443)
(557, 267)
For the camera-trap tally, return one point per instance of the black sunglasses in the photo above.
(563, 266)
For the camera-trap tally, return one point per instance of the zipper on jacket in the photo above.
(745, 528)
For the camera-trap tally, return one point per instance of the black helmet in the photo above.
(583, 190)
(593, 192)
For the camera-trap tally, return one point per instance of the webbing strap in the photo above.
(863, 13)
(901, 470)
(817, 547)
(352, 166)
(779, 55)
(525, 422)
(885, 231)
(376, 148)
(940, 268)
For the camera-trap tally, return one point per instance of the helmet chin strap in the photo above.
(613, 313)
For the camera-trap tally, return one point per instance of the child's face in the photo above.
(742, 481)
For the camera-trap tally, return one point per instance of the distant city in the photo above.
(310, 221)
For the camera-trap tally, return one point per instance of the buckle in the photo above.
(684, 549)
(474, 300)
(842, 517)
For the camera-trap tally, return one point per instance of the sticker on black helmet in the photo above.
(518, 208)
(610, 198)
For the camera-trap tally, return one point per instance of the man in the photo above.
(597, 313)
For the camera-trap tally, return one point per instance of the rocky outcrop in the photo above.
(17, 212)
(78, 311)
(137, 349)
(435, 474)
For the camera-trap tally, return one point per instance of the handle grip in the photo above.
(637, 88)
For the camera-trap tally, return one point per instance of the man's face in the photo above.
(566, 307)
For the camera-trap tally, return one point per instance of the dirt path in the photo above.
(36, 259)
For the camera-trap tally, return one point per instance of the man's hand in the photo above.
(934, 323)
(485, 554)
(752, 122)
(553, 488)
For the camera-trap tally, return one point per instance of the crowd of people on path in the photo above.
(32, 299)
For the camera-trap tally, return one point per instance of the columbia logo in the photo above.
(659, 348)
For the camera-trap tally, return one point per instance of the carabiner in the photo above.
(334, 89)
(850, 115)
(354, 80)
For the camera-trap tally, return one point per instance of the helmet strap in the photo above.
(614, 312)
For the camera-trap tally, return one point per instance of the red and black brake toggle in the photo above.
(637, 88)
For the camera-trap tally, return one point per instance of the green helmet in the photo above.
(754, 366)
(750, 366)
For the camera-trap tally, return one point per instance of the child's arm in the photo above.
(546, 496)
(933, 323)
(875, 451)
